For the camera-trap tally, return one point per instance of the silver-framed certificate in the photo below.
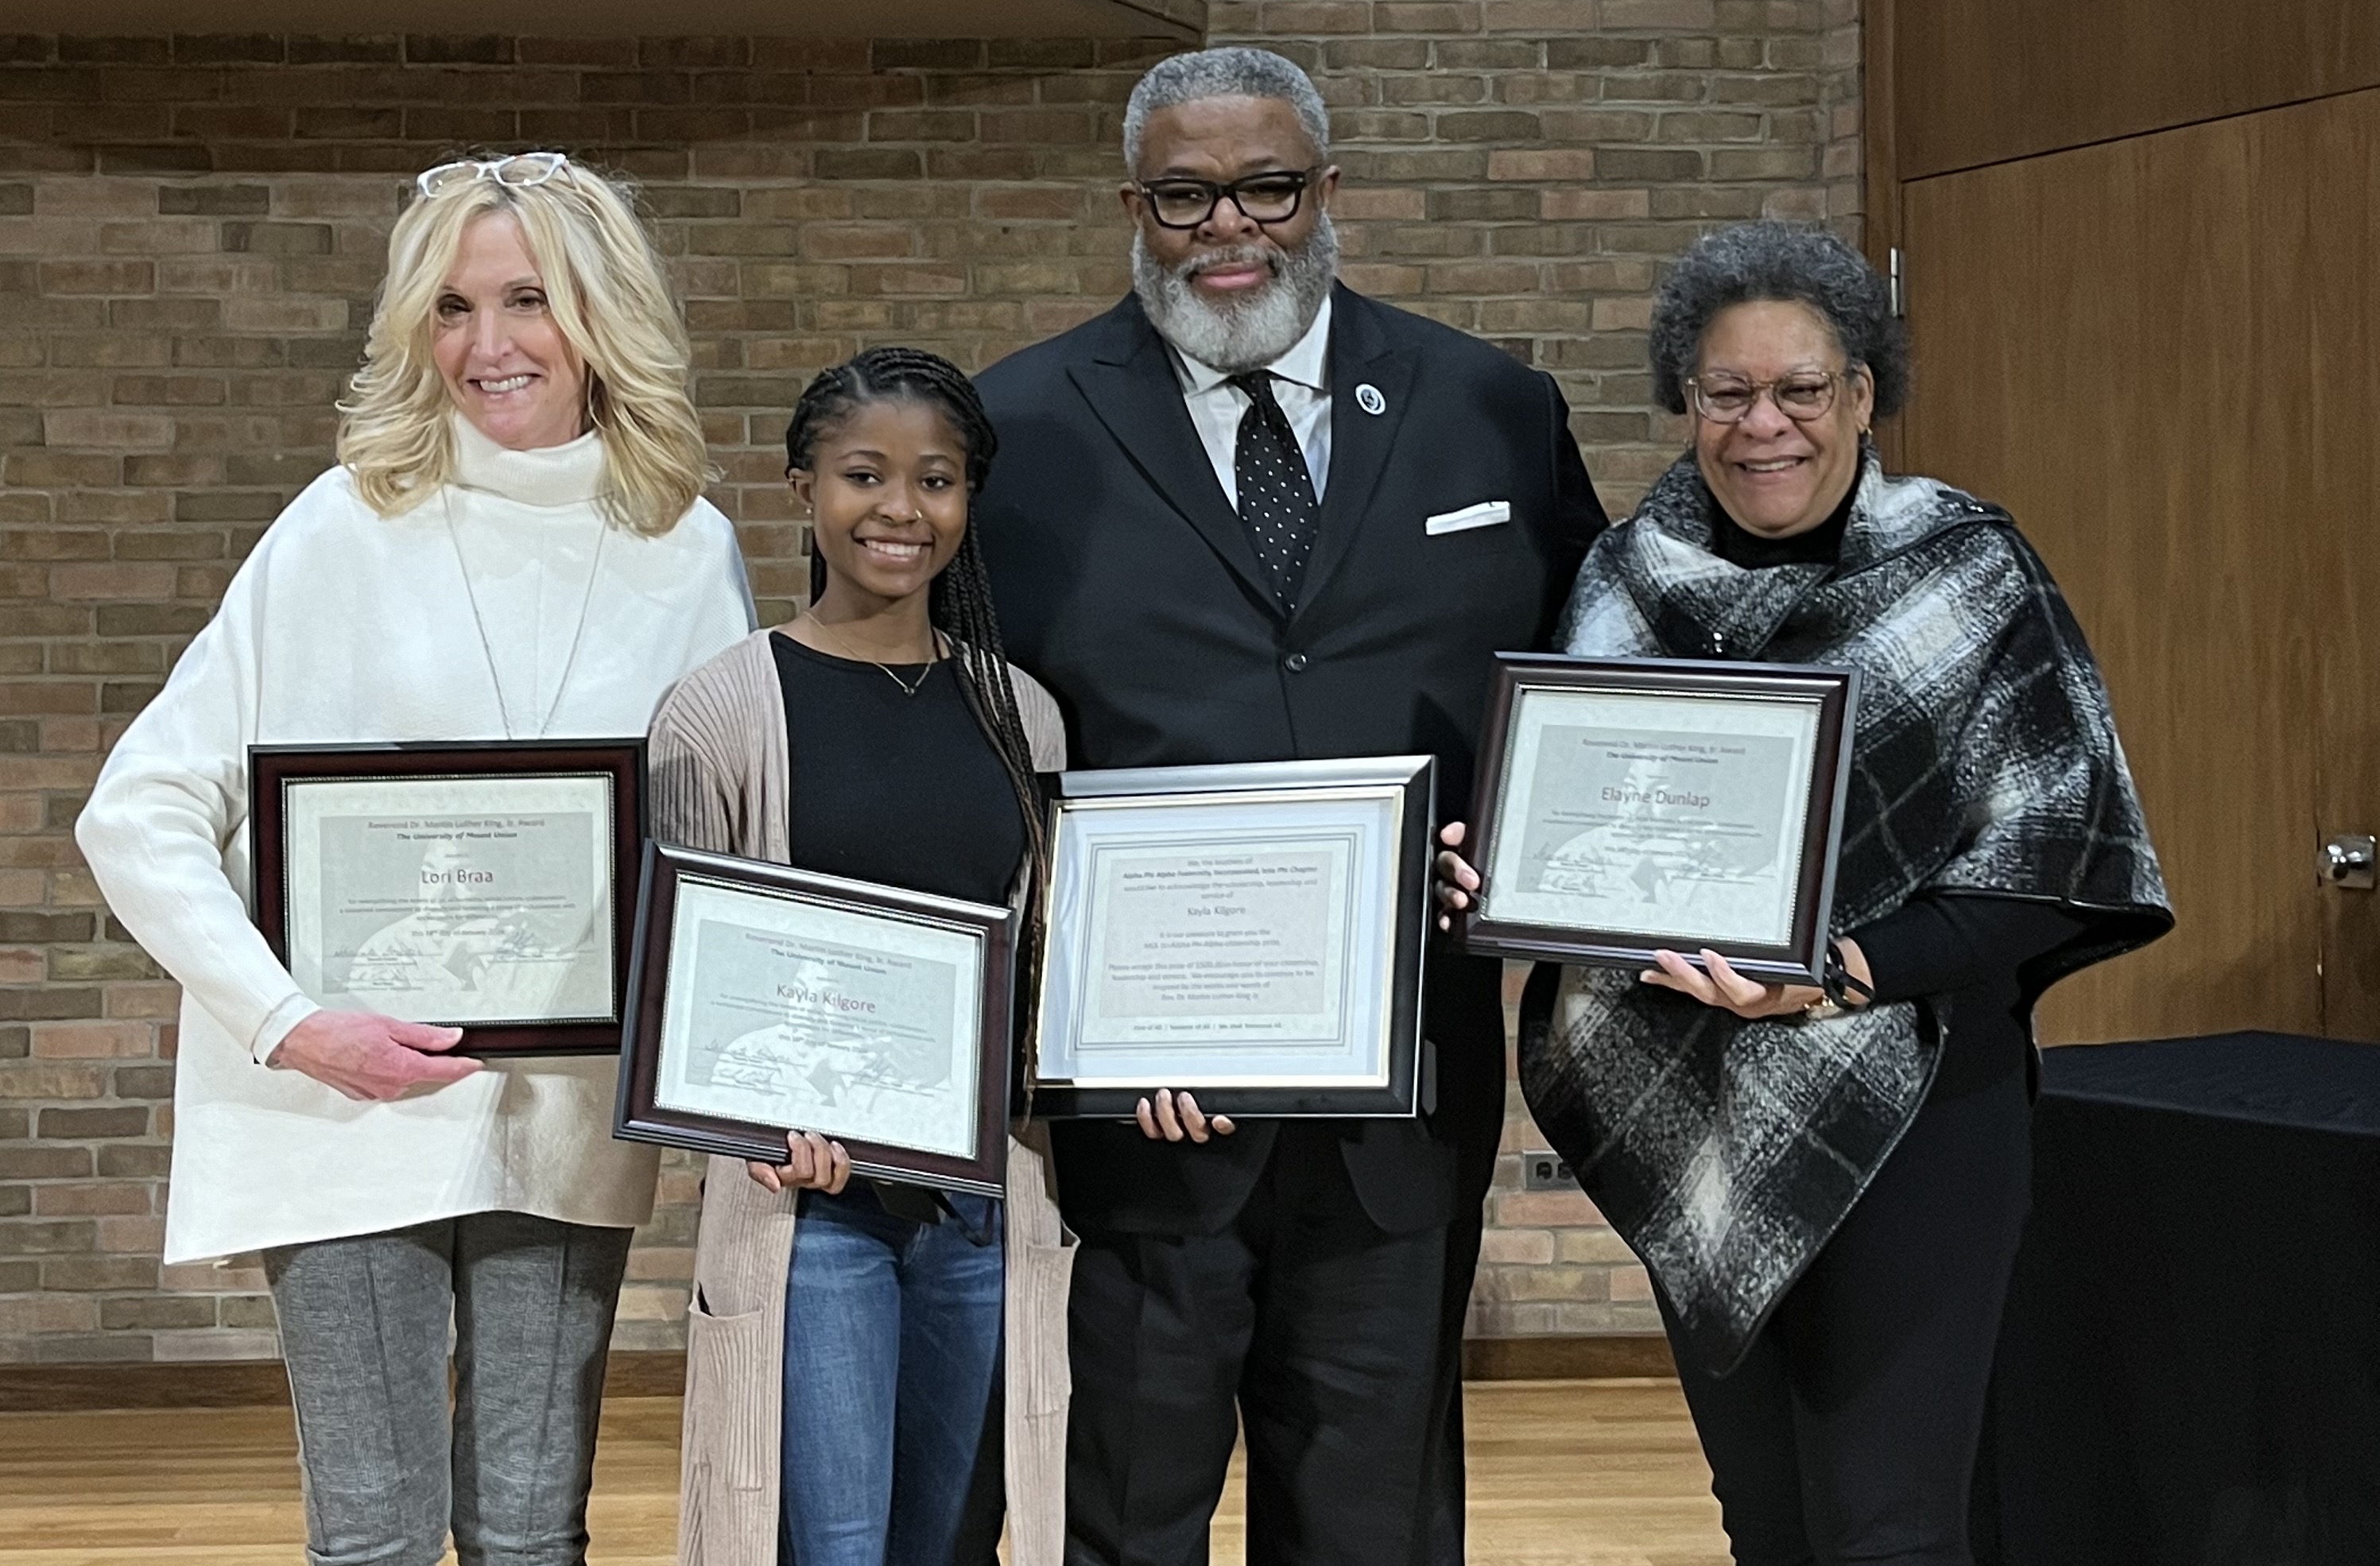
(1253, 933)
(764, 999)
(1628, 806)
(478, 885)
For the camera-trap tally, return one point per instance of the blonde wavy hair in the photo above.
(605, 289)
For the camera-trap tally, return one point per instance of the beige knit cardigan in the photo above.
(720, 781)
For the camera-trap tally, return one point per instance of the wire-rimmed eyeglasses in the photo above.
(519, 171)
(1803, 397)
(1273, 196)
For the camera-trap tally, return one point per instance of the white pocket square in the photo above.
(1486, 513)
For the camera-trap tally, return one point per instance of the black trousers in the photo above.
(1474, 1172)
(1848, 1433)
(1303, 1325)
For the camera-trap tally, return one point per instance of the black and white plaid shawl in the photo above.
(1984, 759)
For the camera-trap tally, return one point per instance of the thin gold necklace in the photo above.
(909, 688)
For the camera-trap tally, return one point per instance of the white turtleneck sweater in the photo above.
(345, 626)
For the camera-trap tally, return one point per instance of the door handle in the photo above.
(2350, 862)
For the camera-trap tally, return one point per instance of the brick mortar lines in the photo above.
(190, 230)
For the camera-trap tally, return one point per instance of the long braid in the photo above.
(959, 604)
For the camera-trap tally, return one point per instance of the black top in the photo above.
(1822, 545)
(901, 789)
(1970, 951)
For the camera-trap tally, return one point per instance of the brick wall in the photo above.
(190, 231)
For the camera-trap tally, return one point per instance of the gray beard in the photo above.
(1247, 334)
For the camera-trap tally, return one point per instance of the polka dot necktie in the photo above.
(1276, 490)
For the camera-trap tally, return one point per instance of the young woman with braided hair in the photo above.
(845, 1336)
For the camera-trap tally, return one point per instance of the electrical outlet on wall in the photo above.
(1544, 1171)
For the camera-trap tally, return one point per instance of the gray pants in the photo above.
(364, 1332)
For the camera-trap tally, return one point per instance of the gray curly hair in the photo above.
(1778, 261)
(1224, 73)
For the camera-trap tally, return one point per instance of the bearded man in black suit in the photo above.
(1249, 515)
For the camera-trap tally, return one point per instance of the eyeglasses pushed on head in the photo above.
(520, 172)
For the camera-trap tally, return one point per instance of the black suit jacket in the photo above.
(1127, 583)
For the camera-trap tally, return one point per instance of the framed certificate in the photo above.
(1630, 804)
(764, 999)
(1253, 933)
(481, 886)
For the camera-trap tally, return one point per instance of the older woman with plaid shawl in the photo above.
(1828, 1186)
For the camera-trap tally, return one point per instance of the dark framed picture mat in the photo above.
(1253, 806)
(382, 782)
(660, 1023)
(1739, 724)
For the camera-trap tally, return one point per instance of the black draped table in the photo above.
(2189, 1374)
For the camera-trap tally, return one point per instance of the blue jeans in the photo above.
(892, 1340)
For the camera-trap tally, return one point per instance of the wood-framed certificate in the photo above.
(1253, 933)
(1630, 804)
(764, 1000)
(476, 885)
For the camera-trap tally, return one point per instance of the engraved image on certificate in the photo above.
(456, 901)
(801, 1015)
(1671, 816)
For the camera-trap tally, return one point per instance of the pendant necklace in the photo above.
(487, 649)
(909, 688)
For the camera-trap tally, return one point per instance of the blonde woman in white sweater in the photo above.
(512, 546)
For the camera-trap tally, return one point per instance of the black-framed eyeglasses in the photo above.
(1270, 197)
(1803, 397)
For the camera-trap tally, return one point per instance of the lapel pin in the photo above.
(1369, 398)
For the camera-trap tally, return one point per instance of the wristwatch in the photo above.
(1840, 987)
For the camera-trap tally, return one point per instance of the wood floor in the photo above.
(1591, 1473)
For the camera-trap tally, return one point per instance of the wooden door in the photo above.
(2158, 353)
(1983, 82)
(2314, 179)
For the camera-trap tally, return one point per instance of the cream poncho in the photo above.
(345, 626)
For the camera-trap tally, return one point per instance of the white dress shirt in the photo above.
(1303, 391)
(345, 626)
